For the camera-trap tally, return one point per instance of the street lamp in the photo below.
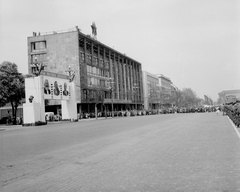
(149, 101)
(135, 87)
(111, 83)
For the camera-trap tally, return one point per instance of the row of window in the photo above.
(97, 71)
(94, 61)
(96, 82)
(101, 50)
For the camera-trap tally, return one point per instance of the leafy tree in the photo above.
(164, 96)
(185, 98)
(12, 89)
(176, 98)
(190, 98)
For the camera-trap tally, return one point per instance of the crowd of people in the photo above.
(164, 110)
(232, 110)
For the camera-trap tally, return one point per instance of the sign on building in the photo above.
(56, 88)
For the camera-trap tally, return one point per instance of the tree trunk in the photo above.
(14, 113)
(15, 119)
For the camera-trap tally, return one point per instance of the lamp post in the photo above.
(110, 83)
(149, 101)
(151, 98)
(135, 87)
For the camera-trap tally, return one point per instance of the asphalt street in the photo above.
(174, 152)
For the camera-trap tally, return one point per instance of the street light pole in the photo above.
(135, 87)
(112, 101)
(110, 81)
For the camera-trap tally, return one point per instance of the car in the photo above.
(3, 120)
(49, 116)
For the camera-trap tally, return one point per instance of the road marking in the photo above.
(234, 127)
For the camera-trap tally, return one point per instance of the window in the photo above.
(89, 81)
(107, 65)
(39, 58)
(82, 56)
(94, 70)
(89, 69)
(38, 46)
(95, 61)
(88, 59)
(101, 63)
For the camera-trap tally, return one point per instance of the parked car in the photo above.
(3, 120)
(49, 116)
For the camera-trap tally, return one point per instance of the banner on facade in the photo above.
(56, 88)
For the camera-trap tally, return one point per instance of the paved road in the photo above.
(177, 152)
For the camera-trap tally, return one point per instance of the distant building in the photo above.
(7, 109)
(208, 100)
(229, 96)
(157, 90)
(151, 91)
(174, 89)
(101, 73)
(165, 84)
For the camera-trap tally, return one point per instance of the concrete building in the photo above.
(165, 84)
(208, 100)
(151, 91)
(102, 74)
(229, 96)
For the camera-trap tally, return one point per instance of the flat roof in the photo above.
(76, 29)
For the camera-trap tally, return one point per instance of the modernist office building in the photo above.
(165, 84)
(102, 74)
(166, 89)
(151, 91)
(157, 90)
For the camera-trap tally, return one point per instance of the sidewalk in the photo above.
(4, 127)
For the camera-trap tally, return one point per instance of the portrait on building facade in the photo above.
(47, 87)
(55, 88)
(65, 91)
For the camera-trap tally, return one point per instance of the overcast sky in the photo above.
(196, 43)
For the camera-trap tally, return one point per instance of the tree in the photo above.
(12, 88)
(185, 98)
(189, 98)
(176, 98)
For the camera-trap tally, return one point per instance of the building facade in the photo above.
(151, 91)
(165, 84)
(208, 100)
(103, 75)
(229, 96)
